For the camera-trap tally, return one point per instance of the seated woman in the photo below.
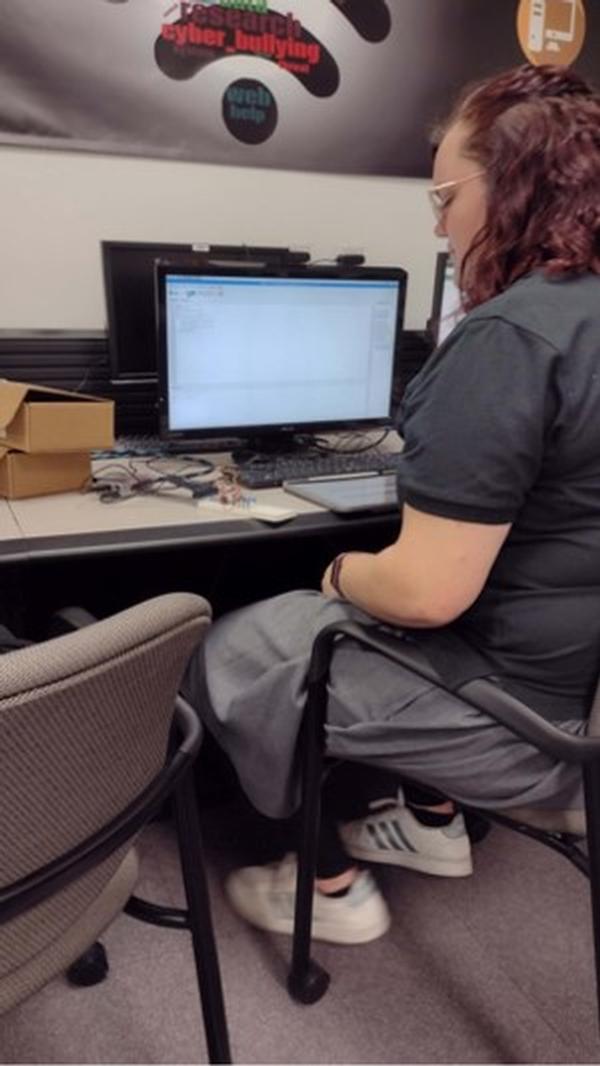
(500, 538)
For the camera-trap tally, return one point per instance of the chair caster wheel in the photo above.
(309, 986)
(90, 968)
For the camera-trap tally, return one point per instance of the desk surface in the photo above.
(78, 523)
(11, 538)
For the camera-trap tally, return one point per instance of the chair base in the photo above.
(565, 843)
(90, 968)
(157, 914)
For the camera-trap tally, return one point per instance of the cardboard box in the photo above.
(23, 475)
(37, 419)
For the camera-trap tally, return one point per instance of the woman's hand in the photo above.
(332, 580)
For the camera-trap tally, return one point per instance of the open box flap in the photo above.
(13, 393)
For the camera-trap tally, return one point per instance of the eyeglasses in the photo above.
(437, 195)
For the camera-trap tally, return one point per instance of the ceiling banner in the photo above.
(347, 86)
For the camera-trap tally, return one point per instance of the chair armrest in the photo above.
(481, 693)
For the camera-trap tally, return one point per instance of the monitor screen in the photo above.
(128, 270)
(268, 353)
(446, 310)
(561, 20)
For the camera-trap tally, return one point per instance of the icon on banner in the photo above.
(551, 31)
(249, 111)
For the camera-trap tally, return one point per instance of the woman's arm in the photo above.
(428, 577)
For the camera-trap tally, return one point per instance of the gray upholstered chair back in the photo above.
(84, 725)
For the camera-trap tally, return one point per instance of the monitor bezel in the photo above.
(283, 432)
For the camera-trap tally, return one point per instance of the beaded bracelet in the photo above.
(336, 572)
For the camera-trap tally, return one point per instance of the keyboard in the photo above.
(143, 447)
(263, 471)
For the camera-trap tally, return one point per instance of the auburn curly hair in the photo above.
(536, 133)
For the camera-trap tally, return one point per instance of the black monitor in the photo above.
(270, 355)
(446, 310)
(128, 271)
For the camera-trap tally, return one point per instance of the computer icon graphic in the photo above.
(551, 23)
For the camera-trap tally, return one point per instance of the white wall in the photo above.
(56, 206)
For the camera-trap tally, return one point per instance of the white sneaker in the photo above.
(265, 896)
(393, 835)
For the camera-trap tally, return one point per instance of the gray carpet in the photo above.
(496, 968)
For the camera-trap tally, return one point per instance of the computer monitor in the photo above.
(128, 271)
(446, 310)
(271, 355)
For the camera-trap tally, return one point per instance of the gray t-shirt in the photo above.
(502, 424)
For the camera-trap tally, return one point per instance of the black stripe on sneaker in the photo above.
(376, 837)
(397, 837)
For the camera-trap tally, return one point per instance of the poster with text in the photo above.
(346, 86)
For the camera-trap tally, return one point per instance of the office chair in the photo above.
(93, 738)
(564, 831)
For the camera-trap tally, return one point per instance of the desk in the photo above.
(73, 548)
(12, 544)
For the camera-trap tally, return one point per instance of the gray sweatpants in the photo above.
(248, 683)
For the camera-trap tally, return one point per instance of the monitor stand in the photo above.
(203, 444)
(263, 446)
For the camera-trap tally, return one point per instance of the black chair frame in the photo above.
(175, 779)
(307, 980)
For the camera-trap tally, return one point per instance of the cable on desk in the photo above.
(121, 480)
(323, 445)
(205, 466)
(120, 489)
